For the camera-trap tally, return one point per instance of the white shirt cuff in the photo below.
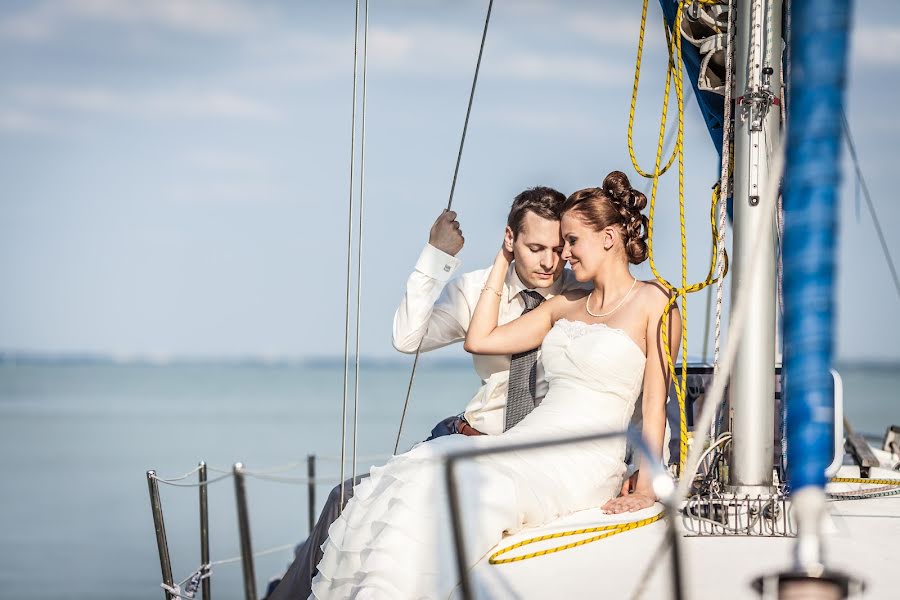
(437, 264)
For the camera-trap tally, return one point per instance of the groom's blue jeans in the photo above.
(297, 582)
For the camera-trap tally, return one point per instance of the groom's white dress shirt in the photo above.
(440, 309)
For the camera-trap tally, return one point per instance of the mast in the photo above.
(757, 135)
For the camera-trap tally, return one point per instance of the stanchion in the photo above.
(311, 488)
(204, 534)
(165, 563)
(244, 531)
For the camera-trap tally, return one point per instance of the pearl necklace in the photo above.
(587, 303)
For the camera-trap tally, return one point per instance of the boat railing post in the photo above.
(240, 494)
(206, 584)
(165, 563)
(311, 488)
(459, 543)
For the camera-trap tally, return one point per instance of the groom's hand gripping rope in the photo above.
(446, 235)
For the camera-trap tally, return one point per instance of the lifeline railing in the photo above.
(663, 487)
(200, 579)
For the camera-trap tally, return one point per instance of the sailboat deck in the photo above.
(860, 538)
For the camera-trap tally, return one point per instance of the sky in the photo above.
(175, 175)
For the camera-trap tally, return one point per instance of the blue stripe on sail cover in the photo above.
(819, 39)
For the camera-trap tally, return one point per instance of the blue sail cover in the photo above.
(712, 105)
(819, 39)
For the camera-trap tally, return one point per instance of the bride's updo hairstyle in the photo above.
(616, 203)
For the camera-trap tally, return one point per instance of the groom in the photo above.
(435, 312)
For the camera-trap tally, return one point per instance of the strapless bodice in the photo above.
(595, 357)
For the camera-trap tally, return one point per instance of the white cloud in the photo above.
(197, 16)
(617, 30)
(524, 66)
(45, 20)
(172, 104)
(876, 45)
(29, 26)
(423, 49)
(15, 121)
(441, 51)
(543, 121)
(292, 57)
(230, 192)
(220, 160)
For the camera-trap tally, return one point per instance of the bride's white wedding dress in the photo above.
(394, 539)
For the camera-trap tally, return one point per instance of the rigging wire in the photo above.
(869, 204)
(725, 191)
(359, 243)
(462, 142)
(349, 253)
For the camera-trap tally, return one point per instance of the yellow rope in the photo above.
(673, 39)
(634, 95)
(861, 480)
(608, 531)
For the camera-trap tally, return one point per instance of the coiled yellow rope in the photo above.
(608, 531)
(861, 480)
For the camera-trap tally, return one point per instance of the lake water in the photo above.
(76, 441)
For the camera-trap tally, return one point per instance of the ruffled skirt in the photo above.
(394, 539)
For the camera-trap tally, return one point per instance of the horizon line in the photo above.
(160, 359)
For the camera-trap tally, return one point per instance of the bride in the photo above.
(600, 351)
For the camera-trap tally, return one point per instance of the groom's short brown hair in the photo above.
(543, 201)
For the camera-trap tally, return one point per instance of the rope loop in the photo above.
(605, 532)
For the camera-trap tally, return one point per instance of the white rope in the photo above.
(205, 571)
(724, 192)
(364, 458)
(188, 592)
(194, 485)
(291, 479)
(725, 181)
(270, 473)
(218, 470)
(723, 439)
(179, 478)
(236, 559)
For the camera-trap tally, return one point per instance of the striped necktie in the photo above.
(520, 398)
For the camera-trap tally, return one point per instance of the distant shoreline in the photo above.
(324, 362)
(74, 359)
